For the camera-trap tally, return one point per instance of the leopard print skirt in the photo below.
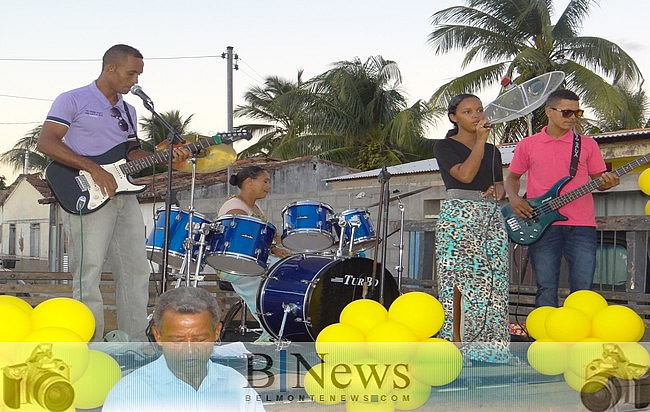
(472, 255)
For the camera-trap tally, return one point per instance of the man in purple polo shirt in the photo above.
(546, 156)
(89, 121)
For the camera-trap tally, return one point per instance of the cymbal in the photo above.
(208, 160)
(403, 195)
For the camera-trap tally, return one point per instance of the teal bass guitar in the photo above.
(545, 207)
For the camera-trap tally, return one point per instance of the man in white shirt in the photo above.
(186, 325)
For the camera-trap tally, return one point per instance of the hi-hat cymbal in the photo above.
(212, 159)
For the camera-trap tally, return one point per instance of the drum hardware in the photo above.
(342, 222)
(382, 228)
(354, 223)
(400, 266)
(290, 307)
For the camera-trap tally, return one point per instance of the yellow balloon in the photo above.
(421, 312)
(391, 342)
(617, 323)
(436, 362)
(586, 301)
(536, 322)
(15, 324)
(575, 382)
(66, 345)
(644, 181)
(413, 396)
(647, 207)
(65, 313)
(582, 354)
(636, 353)
(340, 343)
(363, 314)
(368, 379)
(26, 307)
(567, 325)
(102, 374)
(548, 357)
(320, 387)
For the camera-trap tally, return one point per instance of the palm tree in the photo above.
(280, 105)
(26, 145)
(517, 38)
(355, 114)
(632, 116)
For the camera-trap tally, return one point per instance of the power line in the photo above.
(25, 97)
(255, 71)
(42, 60)
(21, 122)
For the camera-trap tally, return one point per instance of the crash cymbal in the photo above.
(211, 159)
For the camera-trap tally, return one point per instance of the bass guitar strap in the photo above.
(575, 155)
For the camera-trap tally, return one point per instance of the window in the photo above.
(12, 238)
(35, 239)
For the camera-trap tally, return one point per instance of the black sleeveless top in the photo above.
(450, 152)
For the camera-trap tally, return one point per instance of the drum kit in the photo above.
(299, 295)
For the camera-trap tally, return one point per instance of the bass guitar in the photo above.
(528, 231)
(76, 191)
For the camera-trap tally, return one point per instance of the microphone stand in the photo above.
(173, 137)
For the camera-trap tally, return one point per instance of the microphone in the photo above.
(137, 90)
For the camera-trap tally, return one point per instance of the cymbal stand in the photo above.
(400, 266)
(189, 242)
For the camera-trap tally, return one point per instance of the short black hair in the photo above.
(561, 94)
(245, 173)
(118, 53)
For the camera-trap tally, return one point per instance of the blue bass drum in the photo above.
(240, 245)
(178, 231)
(316, 288)
(307, 226)
(364, 235)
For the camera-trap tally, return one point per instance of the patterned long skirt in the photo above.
(472, 256)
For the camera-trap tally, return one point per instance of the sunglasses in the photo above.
(115, 112)
(566, 113)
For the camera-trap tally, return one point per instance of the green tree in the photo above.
(280, 106)
(517, 38)
(355, 114)
(631, 116)
(26, 145)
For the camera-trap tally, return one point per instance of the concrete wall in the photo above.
(22, 209)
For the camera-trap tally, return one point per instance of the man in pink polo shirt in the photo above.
(546, 156)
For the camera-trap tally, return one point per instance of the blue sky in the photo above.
(271, 38)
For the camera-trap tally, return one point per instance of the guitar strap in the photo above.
(575, 155)
(136, 144)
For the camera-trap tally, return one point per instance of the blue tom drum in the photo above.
(364, 234)
(240, 245)
(307, 226)
(316, 288)
(178, 232)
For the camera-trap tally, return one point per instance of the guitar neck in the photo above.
(135, 166)
(593, 185)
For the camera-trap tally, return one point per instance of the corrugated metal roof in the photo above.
(623, 133)
(420, 166)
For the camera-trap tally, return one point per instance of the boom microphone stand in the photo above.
(173, 137)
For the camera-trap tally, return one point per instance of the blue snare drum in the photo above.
(307, 226)
(364, 235)
(316, 288)
(178, 231)
(240, 245)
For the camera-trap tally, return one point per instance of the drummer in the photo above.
(254, 184)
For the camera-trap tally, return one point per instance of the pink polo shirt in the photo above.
(548, 160)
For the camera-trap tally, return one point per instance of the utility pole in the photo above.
(229, 56)
(26, 162)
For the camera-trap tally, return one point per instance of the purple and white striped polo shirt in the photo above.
(87, 114)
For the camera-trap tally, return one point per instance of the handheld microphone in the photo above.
(137, 90)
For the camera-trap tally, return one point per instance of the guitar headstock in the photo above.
(229, 137)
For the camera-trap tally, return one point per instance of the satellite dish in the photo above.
(523, 99)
